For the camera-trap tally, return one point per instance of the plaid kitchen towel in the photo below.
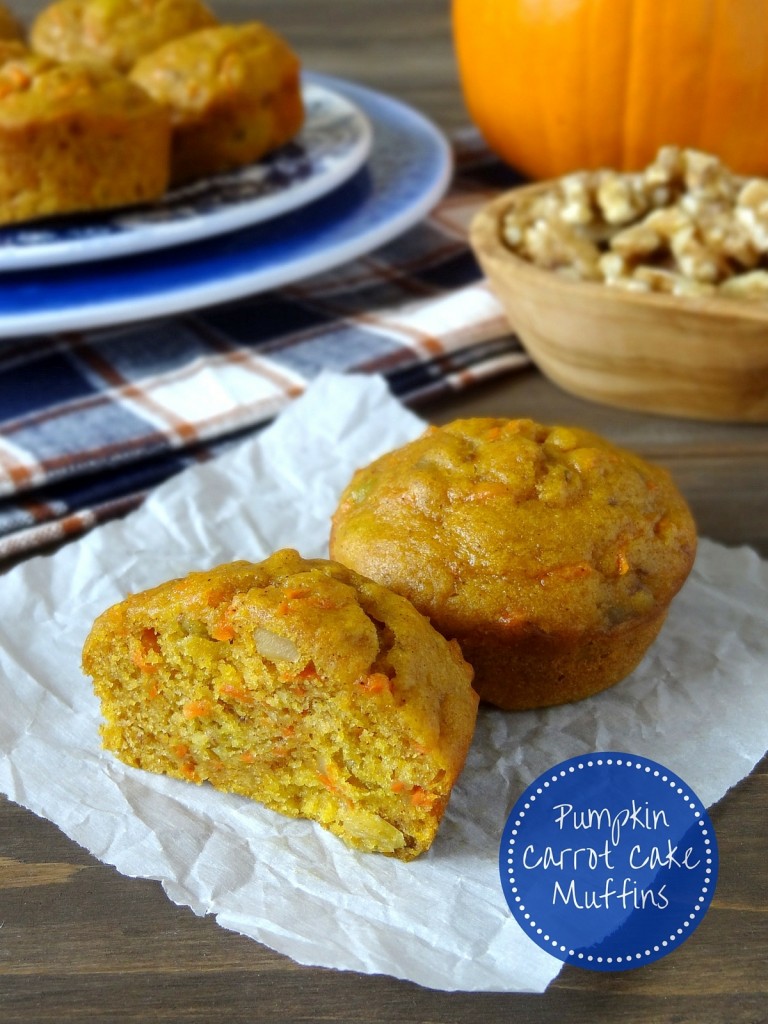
(90, 422)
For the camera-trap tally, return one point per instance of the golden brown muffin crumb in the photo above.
(551, 555)
(297, 683)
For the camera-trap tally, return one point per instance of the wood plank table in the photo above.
(79, 942)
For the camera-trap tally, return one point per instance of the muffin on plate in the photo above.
(117, 32)
(297, 683)
(75, 137)
(233, 92)
(549, 554)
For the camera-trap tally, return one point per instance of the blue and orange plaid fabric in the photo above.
(91, 422)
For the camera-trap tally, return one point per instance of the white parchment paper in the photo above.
(698, 704)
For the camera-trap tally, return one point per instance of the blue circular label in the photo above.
(608, 861)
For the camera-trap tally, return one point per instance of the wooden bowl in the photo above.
(703, 358)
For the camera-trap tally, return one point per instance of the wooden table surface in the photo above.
(79, 942)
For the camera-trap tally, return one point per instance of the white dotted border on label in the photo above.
(679, 933)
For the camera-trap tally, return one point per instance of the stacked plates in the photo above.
(364, 168)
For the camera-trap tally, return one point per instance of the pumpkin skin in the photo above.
(560, 85)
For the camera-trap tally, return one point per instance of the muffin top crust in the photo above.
(513, 526)
(115, 31)
(214, 65)
(37, 89)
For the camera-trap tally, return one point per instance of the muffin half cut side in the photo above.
(296, 683)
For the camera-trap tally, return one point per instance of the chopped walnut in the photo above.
(752, 212)
(685, 225)
(621, 197)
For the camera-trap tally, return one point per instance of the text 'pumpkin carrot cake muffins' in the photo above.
(233, 92)
(548, 553)
(117, 32)
(297, 683)
(75, 137)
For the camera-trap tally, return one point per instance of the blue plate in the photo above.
(407, 173)
(334, 142)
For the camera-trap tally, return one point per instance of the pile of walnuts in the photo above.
(685, 225)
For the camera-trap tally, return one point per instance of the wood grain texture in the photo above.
(81, 943)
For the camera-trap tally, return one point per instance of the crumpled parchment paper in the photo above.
(698, 704)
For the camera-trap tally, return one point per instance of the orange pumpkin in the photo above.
(559, 85)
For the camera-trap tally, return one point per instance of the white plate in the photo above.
(334, 142)
(407, 173)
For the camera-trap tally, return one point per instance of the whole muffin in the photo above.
(548, 553)
(297, 683)
(75, 137)
(115, 31)
(233, 92)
